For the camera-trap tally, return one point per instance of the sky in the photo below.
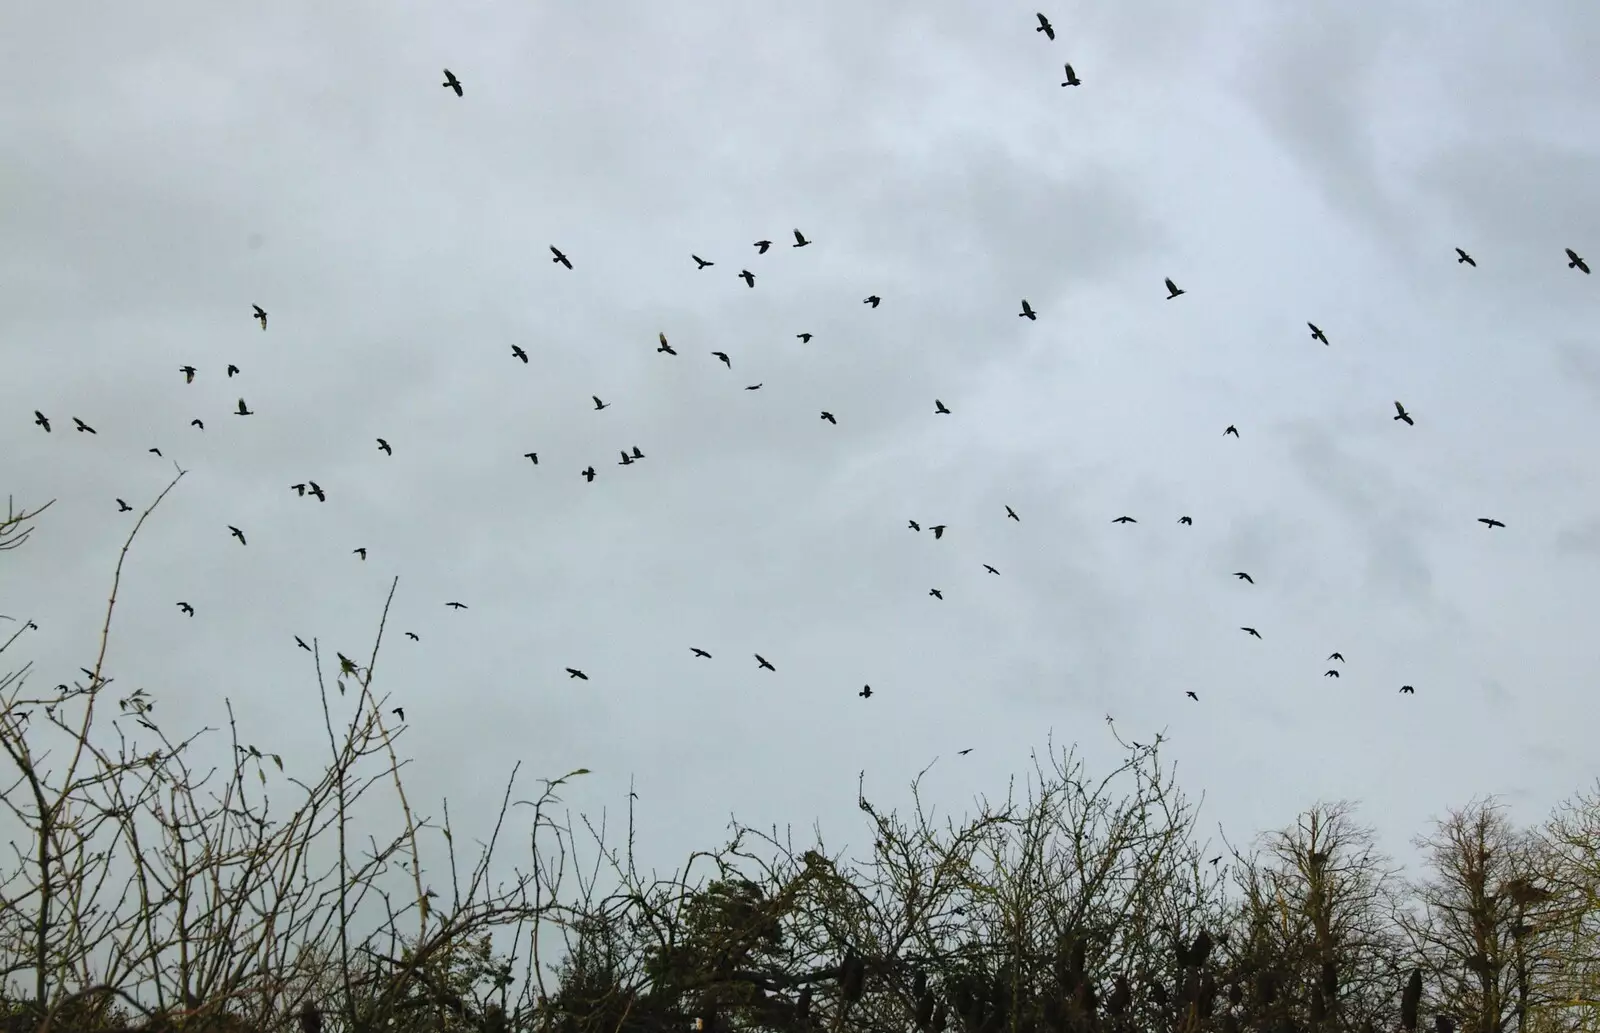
(162, 171)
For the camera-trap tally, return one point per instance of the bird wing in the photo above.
(1399, 408)
(1171, 286)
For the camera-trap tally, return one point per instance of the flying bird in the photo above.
(866, 692)
(697, 651)
(261, 315)
(664, 346)
(1251, 631)
(360, 551)
(197, 423)
(914, 525)
(1336, 656)
(1574, 262)
(384, 445)
(636, 453)
(799, 239)
(626, 459)
(157, 451)
(399, 712)
(1317, 334)
(1242, 576)
(188, 373)
(939, 409)
(1401, 414)
(763, 662)
(517, 352)
(41, 420)
(754, 387)
(301, 643)
(1173, 290)
(762, 245)
(1012, 514)
(412, 635)
(559, 257)
(237, 534)
(1027, 311)
(1330, 674)
(316, 490)
(938, 530)
(963, 753)
(748, 277)
(1231, 430)
(232, 369)
(1408, 690)
(1191, 695)
(804, 338)
(533, 456)
(451, 82)
(243, 409)
(598, 404)
(301, 488)
(871, 299)
(123, 507)
(1045, 27)
(1490, 522)
(1124, 520)
(1072, 78)
(83, 427)
(1186, 520)
(457, 606)
(701, 263)
(588, 474)
(1462, 256)
(829, 417)
(990, 569)
(573, 672)
(186, 608)
(724, 357)
(936, 593)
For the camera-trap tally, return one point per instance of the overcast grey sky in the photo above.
(164, 169)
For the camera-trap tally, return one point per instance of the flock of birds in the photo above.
(629, 457)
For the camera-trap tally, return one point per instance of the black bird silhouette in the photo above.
(1251, 631)
(866, 692)
(990, 569)
(301, 488)
(1045, 27)
(1242, 576)
(559, 257)
(384, 445)
(588, 474)
(799, 239)
(1336, 656)
(871, 299)
(41, 420)
(157, 451)
(762, 245)
(1124, 520)
(237, 534)
(197, 423)
(914, 525)
(1027, 311)
(261, 315)
(754, 387)
(763, 662)
(1490, 522)
(936, 593)
(451, 82)
(1401, 414)
(1172, 289)
(573, 672)
(517, 352)
(1012, 514)
(626, 459)
(457, 606)
(636, 453)
(804, 338)
(697, 651)
(232, 369)
(318, 492)
(412, 635)
(188, 373)
(664, 346)
(724, 357)
(748, 277)
(1191, 695)
(1330, 674)
(83, 427)
(829, 417)
(938, 530)
(399, 712)
(1072, 78)
(598, 404)
(243, 409)
(301, 643)
(123, 507)
(1186, 520)
(186, 608)
(1231, 429)
(1317, 334)
(1408, 690)
(939, 409)
(360, 551)
(1464, 257)
(701, 263)
(1574, 262)
(963, 753)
